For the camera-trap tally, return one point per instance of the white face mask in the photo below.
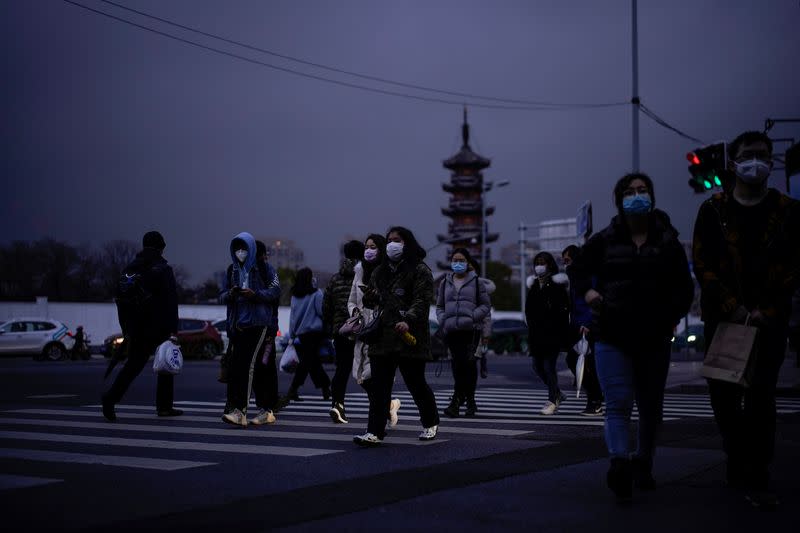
(540, 270)
(394, 250)
(753, 171)
(241, 255)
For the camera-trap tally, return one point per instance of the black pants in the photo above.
(594, 394)
(462, 346)
(247, 345)
(746, 416)
(139, 352)
(310, 364)
(344, 366)
(265, 377)
(544, 364)
(379, 391)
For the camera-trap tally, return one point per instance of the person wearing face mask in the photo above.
(374, 252)
(250, 302)
(401, 289)
(635, 277)
(746, 253)
(334, 314)
(462, 303)
(547, 315)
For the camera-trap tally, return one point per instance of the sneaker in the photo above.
(429, 433)
(170, 412)
(264, 416)
(235, 417)
(367, 439)
(472, 408)
(394, 408)
(108, 411)
(593, 409)
(337, 414)
(452, 408)
(549, 408)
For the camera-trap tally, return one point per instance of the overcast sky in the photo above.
(109, 130)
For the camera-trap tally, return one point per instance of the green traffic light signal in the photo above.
(707, 184)
(717, 181)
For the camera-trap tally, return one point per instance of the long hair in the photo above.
(549, 260)
(369, 267)
(303, 283)
(412, 251)
(471, 264)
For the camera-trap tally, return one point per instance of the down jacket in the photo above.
(464, 308)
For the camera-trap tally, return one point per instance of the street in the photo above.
(63, 467)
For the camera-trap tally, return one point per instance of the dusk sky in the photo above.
(109, 130)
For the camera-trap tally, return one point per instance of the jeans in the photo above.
(544, 364)
(626, 376)
(465, 370)
(746, 416)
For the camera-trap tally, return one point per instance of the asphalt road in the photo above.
(62, 467)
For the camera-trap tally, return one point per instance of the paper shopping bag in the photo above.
(732, 354)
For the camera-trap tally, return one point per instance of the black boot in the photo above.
(471, 407)
(620, 479)
(452, 409)
(643, 473)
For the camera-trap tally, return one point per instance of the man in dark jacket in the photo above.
(147, 324)
(747, 260)
(334, 314)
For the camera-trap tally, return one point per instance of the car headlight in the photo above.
(691, 338)
(118, 340)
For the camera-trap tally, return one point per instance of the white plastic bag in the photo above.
(289, 359)
(582, 349)
(169, 359)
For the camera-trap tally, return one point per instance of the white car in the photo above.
(45, 338)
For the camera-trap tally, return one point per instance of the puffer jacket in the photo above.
(464, 308)
(403, 291)
(547, 314)
(255, 311)
(337, 292)
(645, 291)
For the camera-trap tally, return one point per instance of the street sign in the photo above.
(584, 220)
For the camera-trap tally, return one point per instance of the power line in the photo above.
(661, 122)
(529, 106)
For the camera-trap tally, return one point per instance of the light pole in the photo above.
(522, 287)
(486, 188)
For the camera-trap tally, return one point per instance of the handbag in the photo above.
(352, 325)
(370, 332)
(168, 359)
(732, 353)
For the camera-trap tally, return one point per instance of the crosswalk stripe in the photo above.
(281, 422)
(8, 481)
(227, 432)
(149, 463)
(167, 444)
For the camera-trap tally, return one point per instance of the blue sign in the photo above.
(583, 221)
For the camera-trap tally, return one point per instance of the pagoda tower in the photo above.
(466, 200)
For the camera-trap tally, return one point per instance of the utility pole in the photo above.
(635, 96)
(522, 276)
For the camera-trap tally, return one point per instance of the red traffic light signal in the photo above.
(707, 166)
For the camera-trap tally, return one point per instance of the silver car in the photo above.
(45, 338)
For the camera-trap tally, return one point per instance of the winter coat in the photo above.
(362, 370)
(579, 313)
(403, 291)
(256, 311)
(334, 303)
(464, 308)
(157, 319)
(547, 315)
(718, 258)
(486, 327)
(305, 315)
(645, 291)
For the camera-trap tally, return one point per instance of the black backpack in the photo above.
(132, 297)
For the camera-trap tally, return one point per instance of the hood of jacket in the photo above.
(250, 241)
(347, 267)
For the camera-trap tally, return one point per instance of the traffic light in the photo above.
(707, 167)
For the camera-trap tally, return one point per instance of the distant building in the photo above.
(465, 207)
(555, 235)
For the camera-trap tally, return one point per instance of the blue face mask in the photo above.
(458, 267)
(638, 204)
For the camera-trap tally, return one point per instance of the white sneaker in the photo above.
(235, 417)
(549, 408)
(263, 417)
(394, 407)
(367, 439)
(429, 433)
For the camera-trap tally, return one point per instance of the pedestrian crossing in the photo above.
(140, 440)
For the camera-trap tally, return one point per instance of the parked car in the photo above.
(691, 338)
(222, 327)
(197, 338)
(45, 338)
(509, 335)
